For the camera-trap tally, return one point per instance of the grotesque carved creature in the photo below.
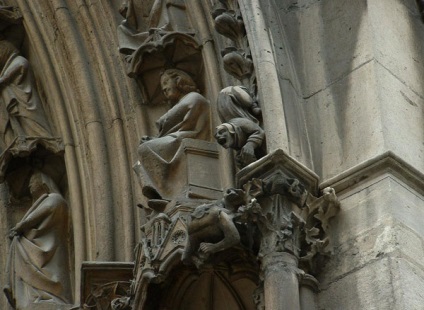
(212, 228)
(289, 187)
(38, 263)
(21, 114)
(188, 118)
(242, 135)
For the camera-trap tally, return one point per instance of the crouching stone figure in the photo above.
(212, 228)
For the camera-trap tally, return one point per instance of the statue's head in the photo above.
(40, 183)
(225, 135)
(233, 198)
(176, 83)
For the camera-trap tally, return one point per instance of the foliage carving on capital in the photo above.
(290, 219)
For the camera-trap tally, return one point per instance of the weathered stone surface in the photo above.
(379, 224)
(370, 287)
(340, 88)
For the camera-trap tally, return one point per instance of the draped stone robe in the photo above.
(21, 113)
(38, 264)
(160, 158)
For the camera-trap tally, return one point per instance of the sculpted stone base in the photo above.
(197, 176)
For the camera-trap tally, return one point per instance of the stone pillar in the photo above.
(293, 225)
(281, 281)
(308, 290)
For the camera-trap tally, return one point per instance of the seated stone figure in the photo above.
(160, 157)
(242, 135)
(212, 228)
(38, 264)
(21, 113)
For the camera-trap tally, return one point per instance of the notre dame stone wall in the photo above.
(334, 97)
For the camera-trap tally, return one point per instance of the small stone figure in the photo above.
(38, 263)
(212, 228)
(21, 113)
(142, 16)
(242, 135)
(188, 118)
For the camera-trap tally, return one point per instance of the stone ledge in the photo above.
(387, 162)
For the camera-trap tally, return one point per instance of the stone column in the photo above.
(293, 224)
(281, 281)
(308, 291)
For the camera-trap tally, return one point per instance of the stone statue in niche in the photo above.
(21, 113)
(189, 117)
(38, 263)
(144, 18)
(212, 228)
(236, 102)
(242, 135)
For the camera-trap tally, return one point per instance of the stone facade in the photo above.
(214, 154)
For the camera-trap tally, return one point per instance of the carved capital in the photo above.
(280, 200)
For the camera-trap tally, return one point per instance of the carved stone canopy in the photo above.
(27, 154)
(9, 16)
(164, 50)
(11, 27)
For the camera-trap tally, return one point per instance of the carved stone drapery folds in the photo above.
(38, 263)
(161, 157)
(26, 139)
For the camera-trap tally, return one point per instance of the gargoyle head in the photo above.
(224, 135)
